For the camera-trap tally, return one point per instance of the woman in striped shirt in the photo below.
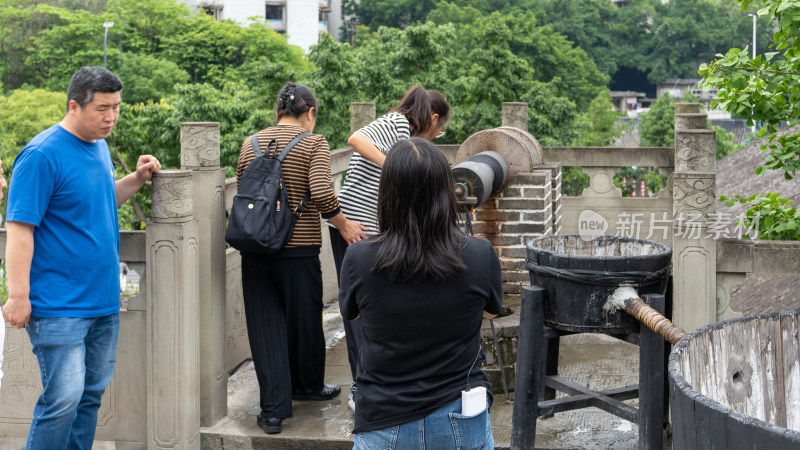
(422, 113)
(283, 291)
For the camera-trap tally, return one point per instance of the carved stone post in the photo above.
(173, 397)
(515, 114)
(694, 199)
(361, 114)
(688, 108)
(691, 121)
(200, 154)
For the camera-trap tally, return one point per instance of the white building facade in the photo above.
(301, 21)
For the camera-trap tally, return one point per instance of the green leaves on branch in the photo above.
(766, 89)
(770, 215)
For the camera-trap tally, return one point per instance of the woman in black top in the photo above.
(421, 289)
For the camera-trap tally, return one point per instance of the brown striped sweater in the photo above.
(308, 164)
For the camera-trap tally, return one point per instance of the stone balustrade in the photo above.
(184, 330)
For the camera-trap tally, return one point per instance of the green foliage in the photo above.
(767, 90)
(725, 144)
(767, 85)
(598, 125)
(627, 176)
(656, 127)
(26, 113)
(23, 115)
(573, 181)
(393, 13)
(476, 79)
(769, 215)
(591, 25)
(150, 78)
(44, 45)
(334, 81)
(156, 126)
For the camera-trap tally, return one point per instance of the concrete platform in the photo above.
(596, 361)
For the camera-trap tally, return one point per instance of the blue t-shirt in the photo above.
(64, 186)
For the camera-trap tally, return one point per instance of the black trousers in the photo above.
(352, 328)
(283, 310)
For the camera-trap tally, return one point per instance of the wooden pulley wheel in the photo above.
(520, 150)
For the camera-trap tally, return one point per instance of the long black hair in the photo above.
(417, 215)
(419, 104)
(295, 99)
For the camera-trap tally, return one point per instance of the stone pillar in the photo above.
(173, 397)
(515, 114)
(361, 114)
(200, 154)
(688, 108)
(694, 252)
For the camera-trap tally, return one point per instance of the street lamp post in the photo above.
(106, 25)
(754, 34)
(753, 128)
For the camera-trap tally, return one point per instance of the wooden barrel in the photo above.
(579, 273)
(736, 384)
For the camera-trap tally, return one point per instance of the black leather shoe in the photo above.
(270, 425)
(327, 392)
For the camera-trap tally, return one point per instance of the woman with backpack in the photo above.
(422, 113)
(421, 288)
(283, 291)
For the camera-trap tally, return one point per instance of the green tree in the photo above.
(393, 13)
(589, 24)
(598, 125)
(335, 83)
(150, 78)
(767, 90)
(656, 127)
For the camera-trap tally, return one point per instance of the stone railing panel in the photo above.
(237, 346)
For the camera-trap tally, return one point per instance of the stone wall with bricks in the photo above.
(528, 207)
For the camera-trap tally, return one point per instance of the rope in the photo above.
(601, 278)
(653, 320)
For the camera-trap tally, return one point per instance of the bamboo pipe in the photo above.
(627, 298)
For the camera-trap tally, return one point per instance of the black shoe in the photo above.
(327, 392)
(270, 425)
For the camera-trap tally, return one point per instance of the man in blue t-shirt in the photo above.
(62, 258)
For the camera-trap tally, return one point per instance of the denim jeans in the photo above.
(76, 360)
(442, 429)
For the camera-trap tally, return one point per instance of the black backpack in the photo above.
(261, 220)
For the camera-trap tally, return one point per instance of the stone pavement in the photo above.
(596, 361)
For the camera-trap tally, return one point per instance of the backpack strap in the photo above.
(303, 205)
(257, 148)
(291, 144)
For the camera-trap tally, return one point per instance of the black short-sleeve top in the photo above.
(420, 342)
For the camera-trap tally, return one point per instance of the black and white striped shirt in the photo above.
(358, 198)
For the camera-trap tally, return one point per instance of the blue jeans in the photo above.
(76, 360)
(442, 429)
